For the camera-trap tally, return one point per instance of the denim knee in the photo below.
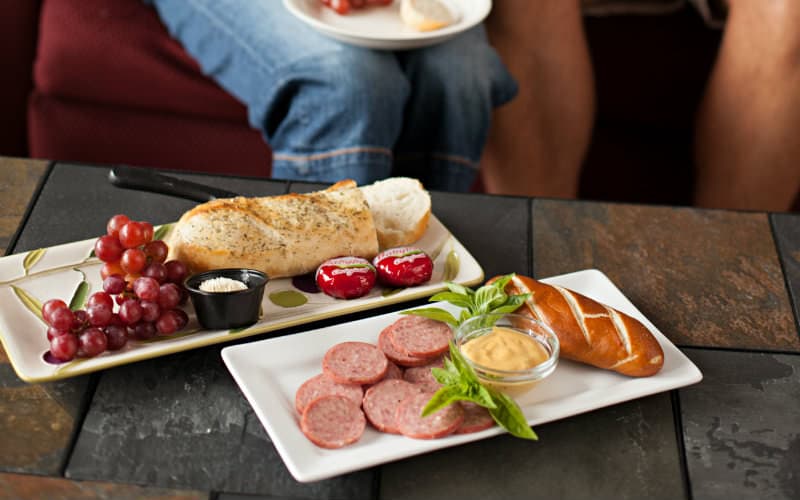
(337, 116)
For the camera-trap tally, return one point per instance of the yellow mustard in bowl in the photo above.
(509, 352)
(505, 349)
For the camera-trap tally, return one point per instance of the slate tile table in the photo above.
(721, 285)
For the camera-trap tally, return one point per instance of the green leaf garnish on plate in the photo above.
(458, 379)
(31, 258)
(30, 302)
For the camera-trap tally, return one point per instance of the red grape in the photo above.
(108, 248)
(116, 337)
(157, 251)
(155, 270)
(50, 306)
(62, 318)
(143, 330)
(176, 271)
(64, 347)
(130, 312)
(100, 298)
(133, 260)
(114, 284)
(92, 342)
(115, 223)
(150, 310)
(146, 288)
(81, 319)
(182, 317)
(132, 235)
(110, 269)
(55, 332)
(169, 296)
(148, 231)
(99, 314)
(167, 323)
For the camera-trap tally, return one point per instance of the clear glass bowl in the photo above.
(510, 381)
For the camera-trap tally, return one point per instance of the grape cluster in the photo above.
(146, 289)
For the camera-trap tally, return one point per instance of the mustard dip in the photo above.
(505, 349)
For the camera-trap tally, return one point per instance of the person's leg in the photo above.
(328, 110)
(747, 146)
(537, 142)
(454, 88)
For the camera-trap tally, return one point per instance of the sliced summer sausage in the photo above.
(440, 424)
(322, 385)
(423, 376)
(333, 422)
(396, 356)
(381, 400)
(420, 336)
(476, 418)
(355, 363)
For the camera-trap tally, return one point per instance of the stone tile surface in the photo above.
(503, 244)
(18, 181)
(742, 425)
(627, 451)
(38, 422)
(180, 421)
(67, 211)
(703, 277)
(18, 486)
(787, 235)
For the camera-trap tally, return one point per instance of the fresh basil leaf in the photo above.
(512, 303)
(459, 289)
(453, 298)
(445, 376)
(434, 313)
(509, 416)
(464, 369)
(479, 394)
(503, 281)
(443, 397)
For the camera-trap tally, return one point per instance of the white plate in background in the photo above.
(380, 27)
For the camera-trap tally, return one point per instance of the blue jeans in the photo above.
(332, 111)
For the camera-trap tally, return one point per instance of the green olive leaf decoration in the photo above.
(70, 364)
(29, 301)
(81, 293)
(451, 266)
(161, 231)
(32, 258)
(288, 298)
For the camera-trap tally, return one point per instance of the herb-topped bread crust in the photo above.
(282, 236)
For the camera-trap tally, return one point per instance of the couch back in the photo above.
(19, 21)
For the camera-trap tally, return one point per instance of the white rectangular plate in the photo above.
(28, 279)
(270, 371)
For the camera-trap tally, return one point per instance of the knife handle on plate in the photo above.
(147, 179)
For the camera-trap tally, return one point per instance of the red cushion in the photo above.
(18, 22)
(69, 130)
(118, 52)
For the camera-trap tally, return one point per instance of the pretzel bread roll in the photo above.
(588, 331)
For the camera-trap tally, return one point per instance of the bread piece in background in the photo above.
(427, 15)
(401, 209)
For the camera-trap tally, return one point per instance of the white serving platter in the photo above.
(270, 371)
(380, 27)
(31, 278)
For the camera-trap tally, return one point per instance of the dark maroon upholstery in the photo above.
(111, 86)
